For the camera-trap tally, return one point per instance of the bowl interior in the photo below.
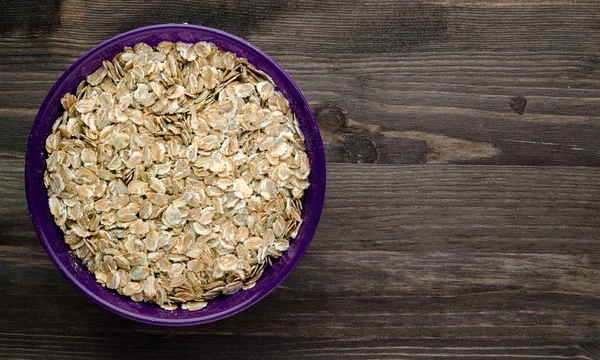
(51, 236)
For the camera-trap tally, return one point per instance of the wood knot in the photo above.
(330, 118)
(518, 104)
(361, 149)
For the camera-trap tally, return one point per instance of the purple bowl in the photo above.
(51, 236)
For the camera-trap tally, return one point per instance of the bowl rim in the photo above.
(317, 165)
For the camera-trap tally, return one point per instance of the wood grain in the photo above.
(437, 68)
(494, 256)
(412, 208)
(399, 282)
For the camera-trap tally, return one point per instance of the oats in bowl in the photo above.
(177, 173)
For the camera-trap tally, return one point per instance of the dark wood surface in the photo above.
(462, 218)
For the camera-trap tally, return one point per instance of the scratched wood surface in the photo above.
(462, 217)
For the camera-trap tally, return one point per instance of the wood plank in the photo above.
(462, 209)
(384, 277)
(370, 301)
(553, 210)
(151, 346)
(523, 286)
(406, 82)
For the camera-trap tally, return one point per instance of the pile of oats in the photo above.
(177, 173)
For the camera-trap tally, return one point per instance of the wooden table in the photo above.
(462, 218)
